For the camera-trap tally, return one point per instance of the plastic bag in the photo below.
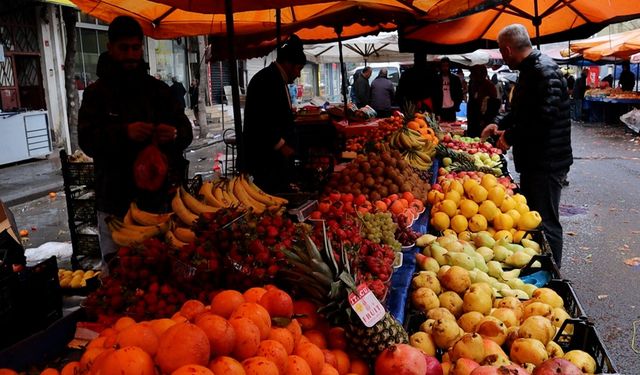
(150, 168)
(632, 120)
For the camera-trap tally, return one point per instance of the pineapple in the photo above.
(328, 283)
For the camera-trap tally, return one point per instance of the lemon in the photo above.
(468, 208)
(489, 210)
(477, 223)
(459, 223)
(440, 221)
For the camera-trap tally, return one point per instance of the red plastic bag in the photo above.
(150, 168)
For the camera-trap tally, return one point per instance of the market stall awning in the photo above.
(620, 46)
(550, 20)
(380, 48)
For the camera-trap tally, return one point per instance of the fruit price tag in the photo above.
(366, 305)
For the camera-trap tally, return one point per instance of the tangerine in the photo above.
(278, 303)
(275, 352)
(337, 339)
(192, 370)
(129, 360)
(313, 355)
(225, 302)
(297, 366)
(258, 314)
(259, 366)
(49, 371)
(71, 368)
(296, 331)
(309, 310)
(316, 337)
(123, 323)
(247, 338)
(221, 335)
(226, 366)
(327, 369)
(191, 309)
(344, 363)
(254, 294)
(182, 344)
(360, 367)
(159, 326)
(284, 337)
(140, 335)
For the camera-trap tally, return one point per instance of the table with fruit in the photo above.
(229, 283)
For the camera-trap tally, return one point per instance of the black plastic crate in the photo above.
(87, 245)
(8, 308)
(193, 185)
(77, 174)
(568, 294)
(546, 264)
(585, 337)
(83, 211)
(539, 236)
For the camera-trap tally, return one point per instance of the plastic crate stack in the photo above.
(79, 184)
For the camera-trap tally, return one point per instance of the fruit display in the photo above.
(469, 145)
(457, 161)
(378, 176)
(374, 140)
(75, 279)
(380, 228)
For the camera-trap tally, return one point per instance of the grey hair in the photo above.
(382, 73)
(516, 36)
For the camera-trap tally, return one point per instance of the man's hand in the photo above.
(139, 131)
(166, 133)
(488, 131)
(502, 142)
(287, 151)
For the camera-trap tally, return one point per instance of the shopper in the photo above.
(194, 94)
(362, 89)
(627, 78)
(417, 84)
(122, 113)
(268, 123)
(483, 101)
(539, 129)
(382, 92)
(465, 85)
(578, 95)
(178, 90)
(448, 97)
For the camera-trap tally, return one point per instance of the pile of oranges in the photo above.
(246, 333)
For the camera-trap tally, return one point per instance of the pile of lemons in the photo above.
(75, 279)
(471, 205)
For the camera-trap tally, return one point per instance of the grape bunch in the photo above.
(380, 228)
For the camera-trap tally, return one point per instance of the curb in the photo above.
(40, 192)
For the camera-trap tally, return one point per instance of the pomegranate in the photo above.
(557, 366)
(401, 359)
(433, 366)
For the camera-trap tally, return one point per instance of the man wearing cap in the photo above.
(268, 121)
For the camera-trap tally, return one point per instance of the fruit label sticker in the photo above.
(366, 305)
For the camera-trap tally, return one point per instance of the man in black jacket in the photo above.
(362, 88)
(122, 113)
(539, 129)
(448, 95)
(268, 121)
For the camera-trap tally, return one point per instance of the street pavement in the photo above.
(600, 214)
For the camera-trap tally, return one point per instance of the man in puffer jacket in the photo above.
(538, 127)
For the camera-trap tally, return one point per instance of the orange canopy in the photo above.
(557, 20)
(621, 45)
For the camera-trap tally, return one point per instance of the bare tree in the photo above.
(70, 17)
(203, 84)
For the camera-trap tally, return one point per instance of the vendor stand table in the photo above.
(354, 128)
(608, 110)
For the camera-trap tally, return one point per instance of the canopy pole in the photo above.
(278, 28)
(235, 89)
(637, 74)
(536, 22)
(342, 70)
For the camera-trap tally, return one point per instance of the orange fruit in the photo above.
(258, 314)
(259, 366)
(297, 366)
(108, 332)
(313, 355)
(140, 335)
(337, 339)
(408, 196)
(192, 370)
(296, 330)
(330, 358)
(160, 325)
(222, 337)
(86, 361)
(360, 367)
(182, 344)
(254, 294)
(247, 338)
(98, 342)
(123, 323)
(275, 352)
(317, 338)
(225, 302)
(397, 207)
(327, 369)
(380, 206)
(179, 318)
(284, 337)
(191, 309)
(129, 360)
(99, 360)
(309, 310)
(49, 371)
(278, 303)
(226, 366)
(344, 363)
(7, 371)
(71, 368)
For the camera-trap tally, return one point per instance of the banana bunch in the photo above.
(239, 191)
(406, 139)
(75, 279)
(417, 159)
(127, 234)
(430, 149)
(137, 216)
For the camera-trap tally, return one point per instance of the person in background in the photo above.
(606, 82)
(124, 112)
(194, 95)
(362, 89)
(178, 90)
(578, 95)
(417, 84)
(627, 78)
(268, 122)
(465, 86)
(382, 93)
(539, 129)
(449, 96)
(293, 93)
(571, 82)
(483, 104)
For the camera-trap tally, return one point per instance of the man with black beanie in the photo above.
(268, 121)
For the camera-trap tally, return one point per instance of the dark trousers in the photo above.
(542, 190)
(448, 114)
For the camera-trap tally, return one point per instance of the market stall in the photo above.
(607, 105)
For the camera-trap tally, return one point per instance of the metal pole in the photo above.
(342, 70)
(235, 89)
(536, 22)
(278, 28)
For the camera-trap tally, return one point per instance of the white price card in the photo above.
(366, 305)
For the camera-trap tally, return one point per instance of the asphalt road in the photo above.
(600, 215)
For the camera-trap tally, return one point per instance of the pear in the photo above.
(529, 289)
(427, 326)
(506, 316)
(427, 251)
(520, 294)
(477, 300)
(456, 279)
(514, 247)
(558, 318)
(438, 253)
(531, 244)
(530, 251)
(493, 329)
(537, 327)
(526, 350)
(470, 345)
(468, 248)
(425, 299)
(515, 283)
(427, 263)
(473, 275)
(537, 308)
(518, 260)
(454, 246)
(440, 313)
(554, 350)
(495, 269)
(582, 360)
(484, 239)
(509, 275)
(469, 320)
(426, 279)
(460, 260)
(445, 332)
(479, 262)
(483, 277)
(452, 302)
(424, 342)
(548, 296)
(485, 252)
(500, 253)
(425, 240)
(442, 271)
